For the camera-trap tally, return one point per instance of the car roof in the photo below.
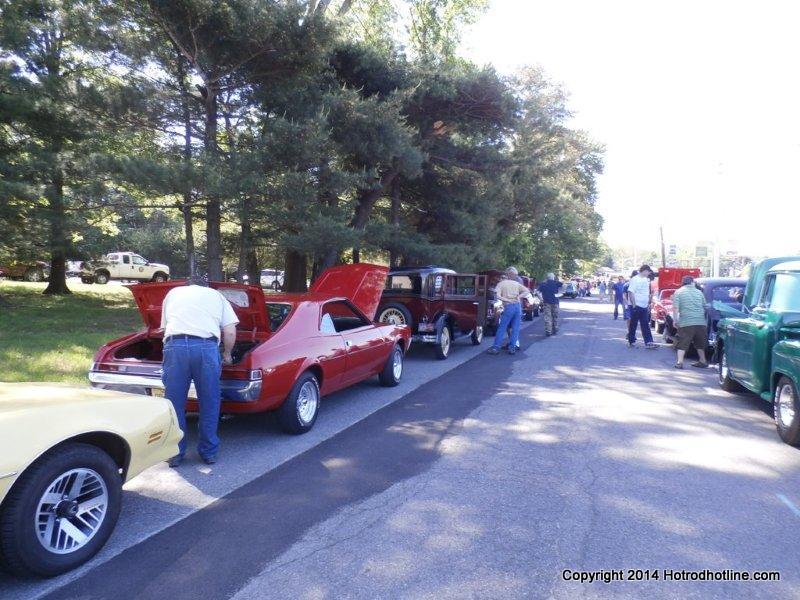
(792, 265)
(418, 269)
(722, 280)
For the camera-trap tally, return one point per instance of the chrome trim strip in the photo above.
(11, 474)
(233, 390)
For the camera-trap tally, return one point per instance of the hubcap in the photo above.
(785, 402)
(71, 511)
(392, 316)
(445, 342)
(307, 402)
(397, 364)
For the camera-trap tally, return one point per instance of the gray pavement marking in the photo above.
(251, 446)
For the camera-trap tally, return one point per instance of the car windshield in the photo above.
(277, 311)
(729, 294)
(786, 293)
(404, 284)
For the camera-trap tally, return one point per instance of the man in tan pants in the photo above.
(548, 290)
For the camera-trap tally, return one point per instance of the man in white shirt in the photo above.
(193, 317)
(639, 295)
(510, 292)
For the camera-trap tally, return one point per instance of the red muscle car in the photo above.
(291, 349)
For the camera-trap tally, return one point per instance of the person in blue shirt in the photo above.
(618, 296)
(549, 289)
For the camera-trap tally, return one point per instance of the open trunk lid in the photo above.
(248, 303)
(361, 283)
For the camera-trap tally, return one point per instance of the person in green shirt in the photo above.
(689, 316)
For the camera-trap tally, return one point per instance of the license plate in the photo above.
(157, 392)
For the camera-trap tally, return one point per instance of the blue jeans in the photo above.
(512, 315)
(185, 361)
(617, 304)
(640, 315)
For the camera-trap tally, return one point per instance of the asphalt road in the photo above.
(488, 480)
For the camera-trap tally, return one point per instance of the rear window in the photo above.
(729, 294)
(277, 313)
(404, 284)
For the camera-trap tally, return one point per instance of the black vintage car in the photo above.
(729, 290)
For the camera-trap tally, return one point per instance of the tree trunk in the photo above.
(253, 271)
(57, 285)
(213, 208)
(294, 277)
(394, 219)
(245, 241)
(186, 209)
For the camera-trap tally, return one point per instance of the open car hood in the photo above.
(361, 283)
(248, 302)
(672, 278)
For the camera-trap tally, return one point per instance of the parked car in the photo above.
(727, 290)
(33, 271)
(759, 346)
(661, 313)
(531, 309)
(272, 279)
(290, 350)
(438, 304)
(663, 286)
(123, 266)
(68, 450)
(73, 268)
(570, 290)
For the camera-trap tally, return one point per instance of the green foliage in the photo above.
(316, 129)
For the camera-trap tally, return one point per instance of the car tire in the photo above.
(786, 410)
(299, 411)
(724, 375)
(101, 278)
(535, 313)
(444, 341)
(393, 369)
(160, 277)
(477, 335)
(529, 316)
(87, 280)
(33, 275)
(660, 327)
(22, 552)
(394, 313)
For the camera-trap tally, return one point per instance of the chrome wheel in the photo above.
(397, 364)
(393, 316)
(307, 402)
(444, 341)
(71, 511)
(784, 404)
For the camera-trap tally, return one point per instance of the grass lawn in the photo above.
(45, 338)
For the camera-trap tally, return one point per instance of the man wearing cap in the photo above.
(193, 317)
(510, 292)
(639, 295)
(548, 290)
(689, 315)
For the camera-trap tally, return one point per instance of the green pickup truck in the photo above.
(759, 347)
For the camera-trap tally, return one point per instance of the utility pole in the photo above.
(663, 251)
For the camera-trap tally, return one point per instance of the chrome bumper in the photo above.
(233, 390)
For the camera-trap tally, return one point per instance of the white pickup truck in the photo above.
(125, 266)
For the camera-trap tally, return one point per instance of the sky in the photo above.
(697, 104)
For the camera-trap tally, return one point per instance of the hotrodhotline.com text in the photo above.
(612, 575)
